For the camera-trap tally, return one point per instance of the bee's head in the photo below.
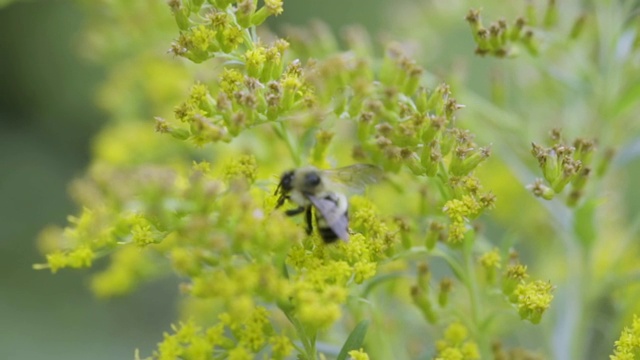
(286, 182)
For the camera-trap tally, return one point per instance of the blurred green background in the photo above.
(48, 118)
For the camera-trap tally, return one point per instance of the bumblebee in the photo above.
(325, 191)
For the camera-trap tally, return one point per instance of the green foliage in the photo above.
(196, 198)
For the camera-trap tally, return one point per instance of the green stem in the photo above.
(474, 296)
(308, 341)
(285, 136)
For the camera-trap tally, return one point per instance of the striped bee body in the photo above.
(319, 191)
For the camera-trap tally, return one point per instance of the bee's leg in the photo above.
(309, 218)
(281, 200)
(294, 212)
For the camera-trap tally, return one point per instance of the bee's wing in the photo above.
(335, 219)
(354, 178)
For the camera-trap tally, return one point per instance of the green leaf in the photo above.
(355, 339)
(628, 100)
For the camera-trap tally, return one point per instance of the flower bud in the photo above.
(431, 158)
(423, 276)
(540, 190)
(551, 15)
(244, 12)
(516, 30)
(530, 43)
(445, 289)
(181, 15)
(605, 162)
(475, 22)
(423, 303)
(434, 234)
(578, 27)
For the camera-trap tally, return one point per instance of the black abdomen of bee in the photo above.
(328, 236)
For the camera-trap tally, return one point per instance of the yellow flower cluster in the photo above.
(128, 267)
(358, 355)
(323, 273)
(628, 346)
(563, 164)
(455, 344)
(459, 210)
(243, 167)
(231, 338)
(491, 261)
(533, 299)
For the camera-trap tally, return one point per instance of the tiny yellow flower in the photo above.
(142, 234)
(274, 6)
(56, 261)
(363, 271)
(517, 272)
(358, 355)
(627, 347)
(231, 81)
(254, 61)
(491, 259)
(239, 353)
(232, 37)
(455, 344)
(244, 167)
(456, 333)
(169, 348)
(533, 299)
(281, 346)
(202, 37)
(80, 257)
(184, 332)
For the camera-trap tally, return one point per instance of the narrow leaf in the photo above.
(355, 339)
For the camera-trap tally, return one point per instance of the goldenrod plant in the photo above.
(470, 248)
